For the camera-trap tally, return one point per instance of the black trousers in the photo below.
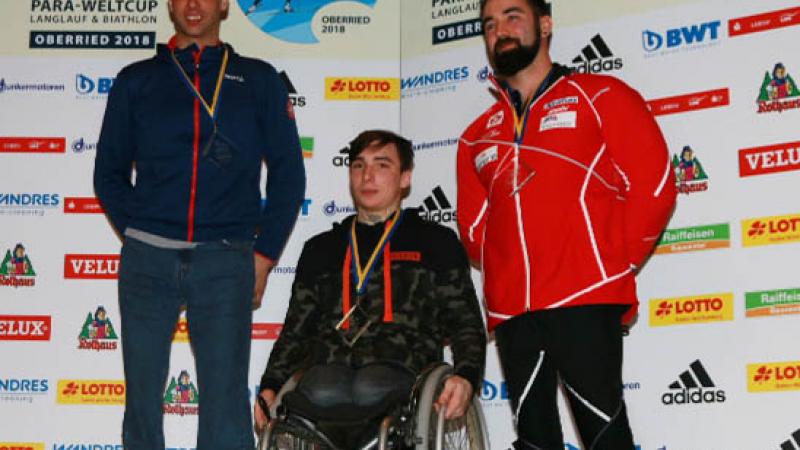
(580, 346)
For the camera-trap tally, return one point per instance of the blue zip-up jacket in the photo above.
(186, 187)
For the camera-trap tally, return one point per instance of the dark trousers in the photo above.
(214, 282)
(581, 346)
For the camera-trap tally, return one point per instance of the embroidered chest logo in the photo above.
(495, 120)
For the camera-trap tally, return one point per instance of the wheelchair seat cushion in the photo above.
(337, 393)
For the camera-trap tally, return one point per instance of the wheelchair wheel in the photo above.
(433, 432)
(279, 436)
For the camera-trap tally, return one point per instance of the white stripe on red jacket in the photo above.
(561, 215)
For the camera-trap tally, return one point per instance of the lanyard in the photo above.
(521, 122)
(210, 109)
(354, 272)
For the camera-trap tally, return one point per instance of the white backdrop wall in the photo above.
(717, 324)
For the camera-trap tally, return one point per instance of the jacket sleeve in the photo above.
(286, 176)
(461, 314)
(291, 349)
(638, 149)
(472, 203)
(113, 162)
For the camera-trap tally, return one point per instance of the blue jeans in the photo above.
(214, 281)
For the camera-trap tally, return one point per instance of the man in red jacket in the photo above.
(564, 186)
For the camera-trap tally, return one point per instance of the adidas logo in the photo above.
(693, 386)
(437, 208)
(793, 443)
(596, 57)
(297, 100)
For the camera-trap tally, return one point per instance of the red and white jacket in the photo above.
(559, 206)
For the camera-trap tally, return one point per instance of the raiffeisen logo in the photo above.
(181, 396)
(16, 269)
(436, 82)
(769, 159)
(91, 392)
(97, 332)
(771, 230)
(691, 309)
(690, 37)
(307, 145)
(690, 176)
(94, 87)
(693, 386)
(94, 267)
(773, 377)
(23, 390)
(772, 303)
(691, 239)
(21, 446)
(371, 89)
(779, 92)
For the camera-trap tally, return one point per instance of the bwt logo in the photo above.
(490, 391)
(676, 37)
(85, 85)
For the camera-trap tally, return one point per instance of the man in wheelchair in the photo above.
(374, 301)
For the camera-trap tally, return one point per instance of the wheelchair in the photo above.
(408, 421)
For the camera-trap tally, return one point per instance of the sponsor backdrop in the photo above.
(712, 361)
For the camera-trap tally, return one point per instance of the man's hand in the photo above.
(259, 414)
(455, 396)
(263, 266)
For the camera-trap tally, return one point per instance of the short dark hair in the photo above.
(379, 138)
(540, 7)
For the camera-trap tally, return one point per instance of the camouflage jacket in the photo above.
(433, 304)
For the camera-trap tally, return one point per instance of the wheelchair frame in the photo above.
(414, 425)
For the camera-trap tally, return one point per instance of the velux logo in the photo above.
(793, 443)
(437, 208)
(596, 57)
(91, 266)
(693, 386)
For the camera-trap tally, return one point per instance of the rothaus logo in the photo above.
(681, 37)
(437, 208)
(298, 101)
(793, 443)
(596, 57)
(85, 85)
(693, 386)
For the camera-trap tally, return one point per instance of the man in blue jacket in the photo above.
(196, 121)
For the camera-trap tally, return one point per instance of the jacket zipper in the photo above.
(195, 151)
